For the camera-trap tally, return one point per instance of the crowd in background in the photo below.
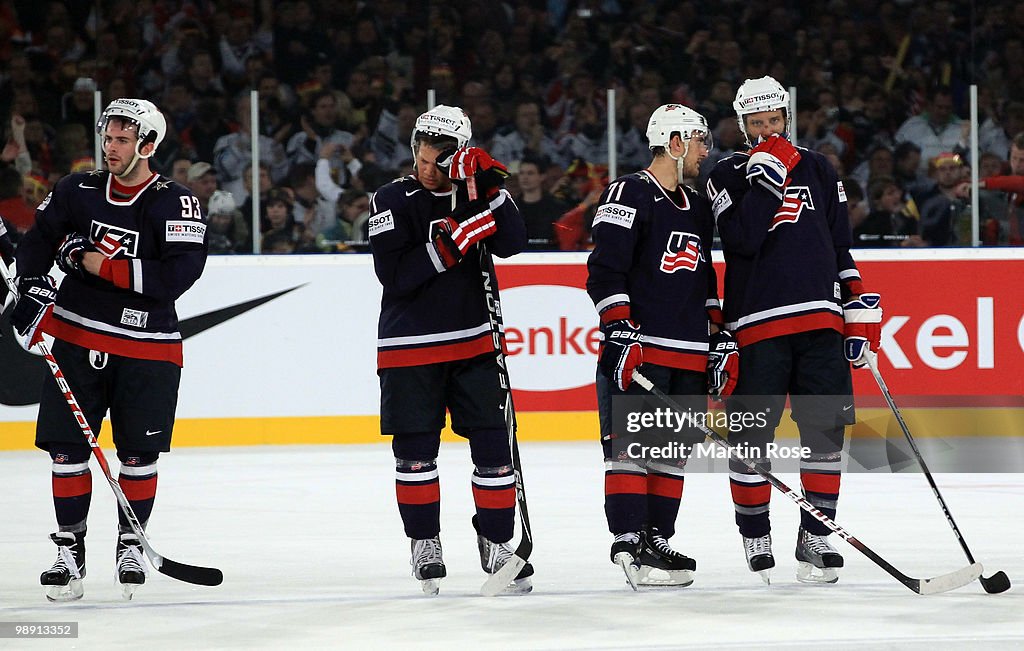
(882, 91)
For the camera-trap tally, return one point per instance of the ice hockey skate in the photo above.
(818, 559)
(493, 557)
(427, 565)
(626, 554)
(131, 564)
(660, 565)
(64, 579)
(759, 556)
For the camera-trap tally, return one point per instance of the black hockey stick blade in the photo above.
(947, 582)
(996, 583)
(190, 573)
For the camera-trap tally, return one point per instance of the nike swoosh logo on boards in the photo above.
(23, 373)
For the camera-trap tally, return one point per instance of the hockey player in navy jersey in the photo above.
(130, 243)
(792, 291)
(434, 349)
(654, 287)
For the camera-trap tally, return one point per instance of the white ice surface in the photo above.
(314, 556)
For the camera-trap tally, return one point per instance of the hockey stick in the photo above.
(175, 570)
(933, 585)
(994, 584)
(498, 581)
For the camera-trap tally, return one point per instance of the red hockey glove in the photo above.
(470, 223)
(474, 162)
(863, 331)
(37, 294)
(622, 352)
(772, 160)
(723, 364)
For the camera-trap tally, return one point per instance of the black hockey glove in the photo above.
(37, 294)
(723, 364)
(70, 252)
(622, 352)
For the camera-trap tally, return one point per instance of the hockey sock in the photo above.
(750, 497)
(72, 486)
(819, 476)
(138, 481)
(417, 485)
(664, 492)
(494, 484)
(625, 496)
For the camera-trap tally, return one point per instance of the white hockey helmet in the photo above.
(676, 118)
(449, 121)
(148, 120)
(221, 202)
(757, 95)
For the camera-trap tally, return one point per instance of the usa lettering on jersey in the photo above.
(127, 239)
(682, 252)
(797, 198)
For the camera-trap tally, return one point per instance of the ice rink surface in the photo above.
(314, 556)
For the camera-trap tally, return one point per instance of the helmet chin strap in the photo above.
(137, 155)
(680, 160)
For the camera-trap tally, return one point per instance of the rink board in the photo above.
(282, 349)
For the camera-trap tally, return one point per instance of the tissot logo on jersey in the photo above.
(128, 240)
(381, 223)
(185, 232)
(616, 214)
(682, 252)
(797, 198)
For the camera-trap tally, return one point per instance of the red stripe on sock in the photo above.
(138, 489)
(503, 498)
(819, 483)
(665, 486)
(75, 486)
(750, 495)
(425, 493)
(618, 483)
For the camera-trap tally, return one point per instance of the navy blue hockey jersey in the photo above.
(429, 314)
(161, 251)
(652, 263)
(787, 255)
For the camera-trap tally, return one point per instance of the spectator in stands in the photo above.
(540, 210)
(890, 223)
(179, 171)
(879, 163)
(16, 212)
(229, 232)
(202, 181)
(280, 222)
(944, 220)
(77, 106)
(15, 151)
(391, 136)
(633, 152)
(350, 232)
(209, 126)
(937, 129)
(528, 138)
(319, 125)
(233, 153)
(1004, 227)
(996, 132)
(312, 211)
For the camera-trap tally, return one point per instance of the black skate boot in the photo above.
(131, 564)
(427, 564)
(660, 565)
(818, 559)
(759, 556)
(64, 579)
(626, 554)
(494, 556)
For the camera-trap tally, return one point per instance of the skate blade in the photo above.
(808, 573)
(128, 590)
(625, 561)
(766, 576)
(73, 591)
(431, 586)
(654, 577)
